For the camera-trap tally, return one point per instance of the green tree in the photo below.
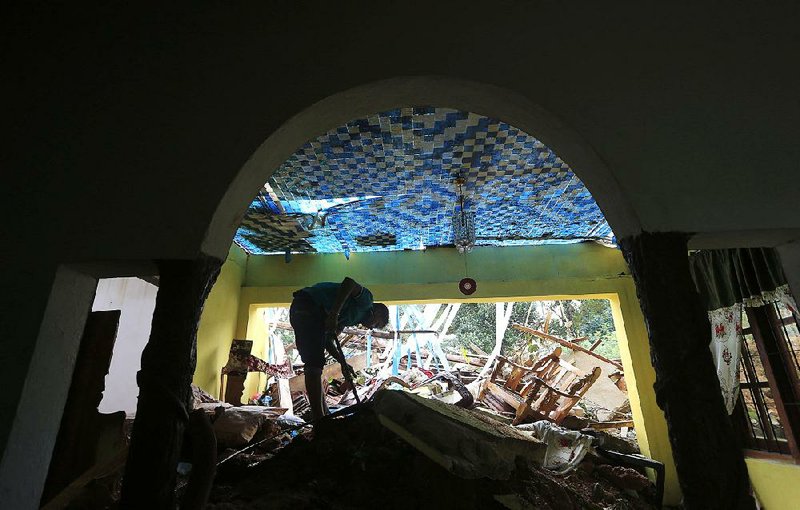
(475, 323)
(594, 320)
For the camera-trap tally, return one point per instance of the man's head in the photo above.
(379, 317)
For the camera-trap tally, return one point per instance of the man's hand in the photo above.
(350, 370)
(339, 356)
(330, 346)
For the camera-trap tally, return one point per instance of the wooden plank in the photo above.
(74, 489)
(503, 394)
(76, 444)
(478, 349)
(600, 425)
(565, 343)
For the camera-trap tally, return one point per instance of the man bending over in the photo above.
(329, 307)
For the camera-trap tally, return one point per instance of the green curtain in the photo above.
(726, 277)
(727, 280)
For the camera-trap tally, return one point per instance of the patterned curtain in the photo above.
(728, 281)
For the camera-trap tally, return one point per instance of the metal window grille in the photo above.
(767, 415)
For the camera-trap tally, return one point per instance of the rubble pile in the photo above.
(563, 382)
(403, 451)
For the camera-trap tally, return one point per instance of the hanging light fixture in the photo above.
(464, 236)
(463, 222)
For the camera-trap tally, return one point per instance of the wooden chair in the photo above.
(545, 390)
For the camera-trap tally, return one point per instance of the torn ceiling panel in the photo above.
(390, 182)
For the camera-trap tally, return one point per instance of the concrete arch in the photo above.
(489, 100)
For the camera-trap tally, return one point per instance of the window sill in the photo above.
(780, 457)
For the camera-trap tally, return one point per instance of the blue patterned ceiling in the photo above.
(389, 182)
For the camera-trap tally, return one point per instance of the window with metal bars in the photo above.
(767, 415)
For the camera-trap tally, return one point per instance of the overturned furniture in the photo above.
(240, 363)
(607, 399)
(543, 390)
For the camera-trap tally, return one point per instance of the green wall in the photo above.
(218, 322)
(442, 265)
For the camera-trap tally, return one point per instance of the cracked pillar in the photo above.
(168, 363)
(707, 454)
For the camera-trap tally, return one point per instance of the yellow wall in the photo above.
(578, 271)
(776, 483)
(648, 418)
(218, 322)
(257, 332)
(441, 265)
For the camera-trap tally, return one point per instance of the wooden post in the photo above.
(708, 456)
(168, 364)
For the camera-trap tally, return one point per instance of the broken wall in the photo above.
(136, 299)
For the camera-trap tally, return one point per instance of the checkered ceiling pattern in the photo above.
(391, 182)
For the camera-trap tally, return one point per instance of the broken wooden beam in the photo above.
(98, 471)
(478, 349)
(599, 425)
(565, 343)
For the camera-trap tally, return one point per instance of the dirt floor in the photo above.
(355, 462)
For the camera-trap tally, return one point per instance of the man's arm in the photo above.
(330, 346)
(347, 288)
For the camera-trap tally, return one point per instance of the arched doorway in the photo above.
(486, 101)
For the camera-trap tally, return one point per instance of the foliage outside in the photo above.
(591, 318)
(474, 324)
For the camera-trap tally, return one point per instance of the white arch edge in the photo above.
(484, 99)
